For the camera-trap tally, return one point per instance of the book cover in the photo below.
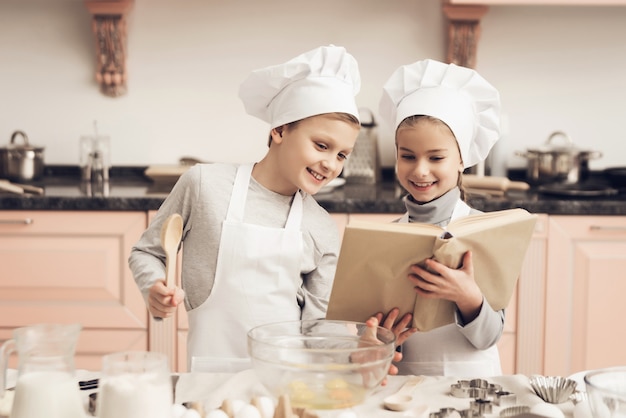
(375, 258)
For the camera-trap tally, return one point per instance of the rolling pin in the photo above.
(473, 181)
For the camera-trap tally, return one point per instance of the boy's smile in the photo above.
(306, 155)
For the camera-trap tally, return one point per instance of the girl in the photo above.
(446, 118)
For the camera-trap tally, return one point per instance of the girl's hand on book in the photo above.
(436, 281)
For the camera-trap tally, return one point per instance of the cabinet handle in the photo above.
(25, 221)
(607, 228)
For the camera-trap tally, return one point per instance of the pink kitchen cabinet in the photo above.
(64, 267)
(539, 2)
(584, 316)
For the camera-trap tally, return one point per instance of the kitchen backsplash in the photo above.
(185, 61)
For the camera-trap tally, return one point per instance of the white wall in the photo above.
(558, 68)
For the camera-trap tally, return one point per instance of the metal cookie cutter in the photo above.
(475, 388)
(461, 389)
(480, 407)
(504, 399)
(512, 411)
(446, 413)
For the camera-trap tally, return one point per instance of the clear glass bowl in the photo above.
(321, 364)
(606, 391)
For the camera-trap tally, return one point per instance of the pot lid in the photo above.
(22, 147)
(564, 148)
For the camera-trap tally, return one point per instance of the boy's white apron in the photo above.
(256, 282)
(444, 351)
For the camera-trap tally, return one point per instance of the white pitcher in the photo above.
(46, 386)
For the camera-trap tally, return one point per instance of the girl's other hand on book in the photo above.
(400, 327)
(369, 337)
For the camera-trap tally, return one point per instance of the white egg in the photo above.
(547, 410)
(216, 413)
(248, 411)
(192, 413)
(237, 404)
(266, 407)
(178, 410)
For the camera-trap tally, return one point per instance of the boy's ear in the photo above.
(277, 134)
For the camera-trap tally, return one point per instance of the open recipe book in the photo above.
(375, 258)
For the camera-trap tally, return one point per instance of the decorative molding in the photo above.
(463, 32)
(109, 28)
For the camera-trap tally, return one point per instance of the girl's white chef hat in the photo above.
(323, 80)
(457, 95)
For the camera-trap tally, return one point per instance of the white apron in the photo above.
(256, 281)
(444, 351)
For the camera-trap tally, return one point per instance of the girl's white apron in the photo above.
(451, 353)
(256, 282)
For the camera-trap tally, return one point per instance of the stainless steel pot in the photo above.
(21, 162)
(563, 163)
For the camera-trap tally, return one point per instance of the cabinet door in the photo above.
(64, 267)
(526, 321)
(585, 293)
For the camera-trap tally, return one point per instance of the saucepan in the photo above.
(21, 162)
(558, 163)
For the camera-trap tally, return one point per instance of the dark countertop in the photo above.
(130, 190)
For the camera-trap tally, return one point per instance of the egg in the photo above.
(247, 411)
(237, 405)
(547, 410)
(191, 413)
(178, 410)
(265, 405)
(216, 413)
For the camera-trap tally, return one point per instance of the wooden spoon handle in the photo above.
(170, 270)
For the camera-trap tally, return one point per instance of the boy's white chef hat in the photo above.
(323, 80)
(457, 95)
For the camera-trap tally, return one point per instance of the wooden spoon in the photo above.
(404, 398)
(171, 233)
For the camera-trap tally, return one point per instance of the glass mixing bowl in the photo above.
(321, 364)
(606, 391)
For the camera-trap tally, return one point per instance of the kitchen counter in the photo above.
(431, 395)
(129, 190)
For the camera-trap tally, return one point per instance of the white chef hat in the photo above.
(457, 95)
(323, 80)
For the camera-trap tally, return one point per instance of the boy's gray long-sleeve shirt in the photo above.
(201, 196)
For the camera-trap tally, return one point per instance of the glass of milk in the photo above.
(135, 384)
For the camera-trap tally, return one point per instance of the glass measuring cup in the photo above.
(46, 385)
(135, 384)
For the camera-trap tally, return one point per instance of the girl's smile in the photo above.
(429, 161)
